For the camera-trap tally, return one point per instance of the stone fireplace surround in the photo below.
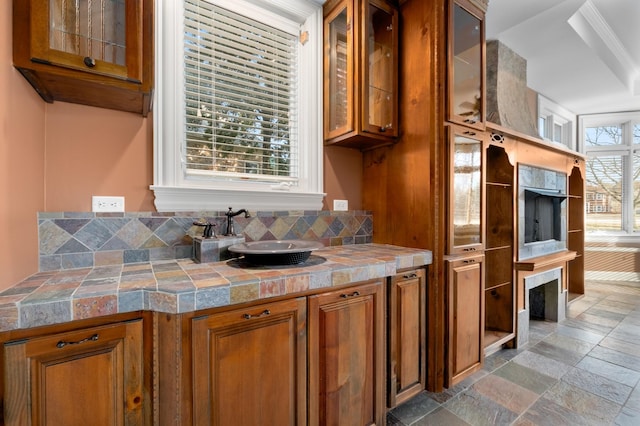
(555, 300)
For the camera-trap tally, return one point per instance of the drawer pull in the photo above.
(89, 62)
(469, 261)
(470, 133)
(469, 249)
(61, 344)
(346, 296)
(410, 276)
(261, 314)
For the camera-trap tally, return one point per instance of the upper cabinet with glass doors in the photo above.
(466, 64)
(97, 52)
(360, 73)
(466, 197)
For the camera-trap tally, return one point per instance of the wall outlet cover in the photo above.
(340, 205)
(107, 204)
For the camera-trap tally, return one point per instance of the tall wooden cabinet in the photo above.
(91, 53)
(90, 376)
(346, 356)
(360, 72)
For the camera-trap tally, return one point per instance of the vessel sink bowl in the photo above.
(276, 252)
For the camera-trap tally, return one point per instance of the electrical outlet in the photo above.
(340, 205)
(107, 204)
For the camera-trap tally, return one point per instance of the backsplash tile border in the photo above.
(71, 240)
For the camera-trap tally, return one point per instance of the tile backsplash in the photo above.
(78, 239)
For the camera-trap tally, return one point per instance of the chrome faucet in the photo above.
(230, 214)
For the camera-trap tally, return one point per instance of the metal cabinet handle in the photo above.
(410, 276)
(89, 61)
(261, 314)
(469, 249)
(61, 344)
(346, 296)
(469, 261)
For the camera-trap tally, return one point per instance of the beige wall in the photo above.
(22, 141)
(54, 157)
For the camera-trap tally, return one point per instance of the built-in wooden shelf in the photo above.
(494, 339)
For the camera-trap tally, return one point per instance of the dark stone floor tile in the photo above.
(542, 364)
(598, 385)
(478, 410)
(580, 334)
(553, 351)
(595, 409)
(621, 346)
(628, 417)
(611, 371)
(510, 395)
(414, 409)
(547, 413)
(634, 400)
(589, 326)
(615, 357)
(525, 377)
(441, 417)
(571, 343)
(453, 391)
(589, 318)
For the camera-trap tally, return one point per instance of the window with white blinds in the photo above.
(240, 96)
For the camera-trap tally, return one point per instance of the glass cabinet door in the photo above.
(465, 193)
(380, 75)
(98, 36)
(338, 90)
(466, 66)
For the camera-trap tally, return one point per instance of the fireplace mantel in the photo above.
(543, 262)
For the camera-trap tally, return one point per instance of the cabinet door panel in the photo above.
(407, 336)
(250, 367)
(465, 318)
(92, 376)
(346, 357)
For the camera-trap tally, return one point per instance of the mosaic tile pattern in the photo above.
(71, 240)
(584, 370)
(182, 285)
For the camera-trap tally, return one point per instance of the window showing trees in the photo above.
(613, 172)
(240, 81)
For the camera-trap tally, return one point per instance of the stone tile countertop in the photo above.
(179, 286)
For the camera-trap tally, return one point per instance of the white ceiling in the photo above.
(581, 54)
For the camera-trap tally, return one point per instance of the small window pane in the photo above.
(542, 125)
(603, 136)
(557, 132)
(604, 191)
(636, 133)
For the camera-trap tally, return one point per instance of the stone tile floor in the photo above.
(582, 371)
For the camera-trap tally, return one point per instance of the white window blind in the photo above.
(240, 97)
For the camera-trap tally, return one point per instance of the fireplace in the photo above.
(544, 300)
(542, 211)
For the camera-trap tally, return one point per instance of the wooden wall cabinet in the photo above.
(466, 64)
(360, 73)
(91, 376)
(406, 338)
(249, 365)
(346, 356)
(465, 317)
(91, 53)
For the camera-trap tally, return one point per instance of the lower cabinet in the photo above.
(249, 366)
(406, 339)
(92, 376)
(465, 317)
(346, 356)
